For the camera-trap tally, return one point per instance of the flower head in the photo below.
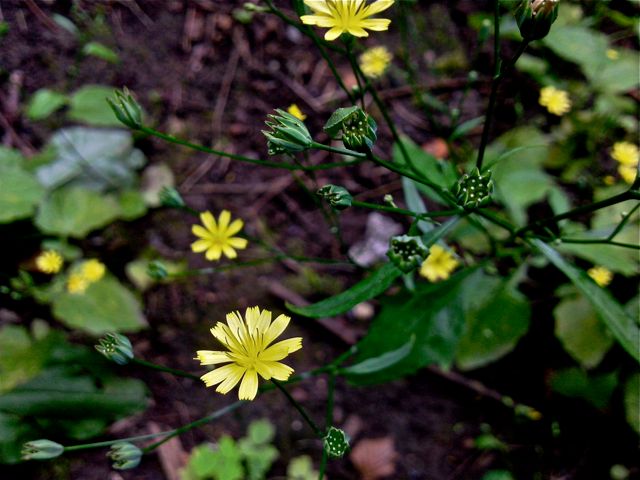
(77, 283)
(375, 61)
(628, 156)
(249, 352)
(92, 270)
(347, 16)
(556, 101)
(600, 275)
(217, 238)
(438, 265)
(49, 261)
(294, 110)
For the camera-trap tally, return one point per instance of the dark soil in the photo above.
(204, 76)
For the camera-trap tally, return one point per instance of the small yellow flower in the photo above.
(609, 180)
(625, 153)
(600, 275)
(217, 238)
(628, 173)
(613, 54)
(92, 270)
(375, 61)
(296, 112)
(438, 265)
(49, 261)
(347, 16)
(249, 354)
(556, 101)
(76, 283)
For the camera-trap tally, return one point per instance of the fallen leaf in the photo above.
(374, 458)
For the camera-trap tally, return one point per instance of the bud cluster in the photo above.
(288, 134)
(116, 348)
(336, 442)
(354, 126)
(407, 252)
(336, 196)
(474, 189)
(126, 108)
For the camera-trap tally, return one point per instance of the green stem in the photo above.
(323, 463)
(160, 368)
(300, 409)
(624, 221)
(402, 211)
(342, 151)
(604, 241)
(354, 67)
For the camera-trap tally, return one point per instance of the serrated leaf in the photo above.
(89, 105)
(43, 103)
(624, 328)
(381, 362)
(74, 212)
(106, 306)
(372, 286)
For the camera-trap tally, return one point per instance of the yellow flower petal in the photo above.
(223, 220)
(279, 371)
(276, 329)
(214, 252)
(208, 221)
(209, 357)
(201, 232)
(218, 375)
(229, 252)
(200, 245)
(232, 379)
(249, 386)
(235, 227)
(279, 350)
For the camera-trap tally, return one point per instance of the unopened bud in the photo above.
(42, 449)
(125, 455)
(288, 134)
(336, 196)
(336, 442)
(474, 189)
(126, 108)
(535, 17)
(407, 252)
(354, 126)
(116, 348)
(170, 197)
(157, 270)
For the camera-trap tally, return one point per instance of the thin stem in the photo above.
(300, 409)
(160, 368)
(604, 241)
(402, 211)
(342, 151)
(354, 67)
(323, 464)
(330, 398)
(624, 221)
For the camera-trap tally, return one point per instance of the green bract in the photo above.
(41, 450)
(336, 196)
(116, 348)
(126, 108)
(407, 252)
(474, 189)
(354, 126)
(336, 442)
(288, 134)
(125, 455)
(535, 18)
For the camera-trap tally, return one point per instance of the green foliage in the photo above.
(301, 468)
(576, 383)
(88, 105)
(632, 401)
(106, 306)
(20, 191)
(53, 388)
(96, 49)
(44, 102)
(381, 362)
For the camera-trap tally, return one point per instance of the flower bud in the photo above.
(125, 455)
(116, 348)
(169, 197)
(407, 253)
(126, 108)
(157, 270)
(535, 17)
(288, 134)
(336, 196)
(336, 442)
(356, 128)
(474, 189)
(41, 450)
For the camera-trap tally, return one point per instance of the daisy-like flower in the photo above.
(555, 101)
(600, 275)
(92, 270)
(77, 283)
(628, 156)
(49, 261)
(217, 238)
(375, 61)
(249, 352)
(438, 265)
(347, 16)
(294, 110)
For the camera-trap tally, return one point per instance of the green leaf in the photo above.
(301, 468)
(497, 316)
(20, 192)
(623, 327)
(89, 105)
(579, 45)
(132, 205)
(106, 306)
(44, 102)
(74, 212)
(381, 362)
(632, 401)
(619, 260)
(96, 158)
(580, 331)
(466, 127)
(96, 49)
(261, 432)
(415, 203)
(14, 432)
(575, 383)
(372, 286)
(434, 314)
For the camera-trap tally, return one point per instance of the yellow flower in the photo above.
(609, 180)
(374, 61)
(613, 54)
(76, 283)
(438, 265)
(346, 16)
(296, 112)
(49, 261)
(217, 238)
(628, 173)
(600, 275)
(625, 153)
(556, 101)
(92, 270)
(249, 354)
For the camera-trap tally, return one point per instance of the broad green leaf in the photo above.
(381, 362)
(106, 306)
(372, 286)
(576, 383)
(619, 75)
(632, 401)
(301, 468)
(132, 205)
(20, 192)
(261, 432)
(581, 45)
(496, 317)
(434, 314)
(44, 102)
(99, 50)
(89, 105)
(623, 327)
(581, 332)
(74, 212)
(96, 158)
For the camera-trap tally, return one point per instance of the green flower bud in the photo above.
(535, 17)
(407, 253)
(336, 196)
(42, 449)
(336, 442)
(356, 128)
(125, 455)
(474, 189)
(116, 348)
(126, 108)
(169, 197)
(157, 270)
(288, 134)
